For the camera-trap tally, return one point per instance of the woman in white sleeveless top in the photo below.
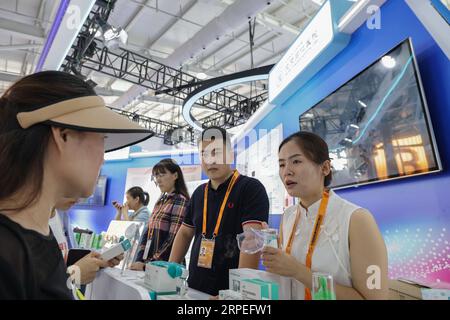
(348, 243)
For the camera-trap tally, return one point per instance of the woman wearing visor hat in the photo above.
(54, 131)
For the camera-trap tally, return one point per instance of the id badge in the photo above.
(147, 249)
(206, 253)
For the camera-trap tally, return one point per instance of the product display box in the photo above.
(229, 295)
(257, 289)
(401, 289)
(283, 284)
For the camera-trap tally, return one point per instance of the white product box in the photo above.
(157, 278)
(435, 294)
(256, 289)
(229, 295)
(237, 275)
(116, 250)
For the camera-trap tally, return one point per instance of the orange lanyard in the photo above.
(222, 207)
(314, 237)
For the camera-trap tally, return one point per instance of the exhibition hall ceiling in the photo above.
(158, 29)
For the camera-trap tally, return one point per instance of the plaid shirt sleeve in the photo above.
(176, 219)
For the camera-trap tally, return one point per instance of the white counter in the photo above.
(110, 284)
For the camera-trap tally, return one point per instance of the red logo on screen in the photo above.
(230, 205)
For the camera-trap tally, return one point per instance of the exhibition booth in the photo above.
(372, 79)
(380, 97)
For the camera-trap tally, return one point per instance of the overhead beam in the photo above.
(9, 77)
(15, 47)
(224, 64)
(22, 30)
(170, 24)
(212, 53)
(136, 16)
(117, 93)
(270, 18)
(270, 21)
(268, 59)
(227, 63)
(27, 58)
(277, 24)
(47, 27)
(231, 18)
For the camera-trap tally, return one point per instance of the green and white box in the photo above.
(284, 283)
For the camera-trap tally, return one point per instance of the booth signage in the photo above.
(319, 42)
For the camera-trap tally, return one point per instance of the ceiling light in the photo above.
(98, 32)
(388, 62)
(202, 75)
(362, 104)
(318, 2)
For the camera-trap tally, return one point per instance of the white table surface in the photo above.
(111, 284)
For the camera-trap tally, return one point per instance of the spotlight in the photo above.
(112, 36)
(388, 62)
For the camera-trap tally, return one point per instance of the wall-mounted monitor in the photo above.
(377, 125)
(99, 195)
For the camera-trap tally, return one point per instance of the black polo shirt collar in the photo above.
(223, 186)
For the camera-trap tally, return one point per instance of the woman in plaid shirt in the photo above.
(167, 215)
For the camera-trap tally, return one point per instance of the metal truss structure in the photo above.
(89, 53)
(171, 134)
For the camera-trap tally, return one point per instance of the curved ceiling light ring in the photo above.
(207, 86)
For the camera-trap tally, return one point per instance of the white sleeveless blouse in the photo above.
(331, 254)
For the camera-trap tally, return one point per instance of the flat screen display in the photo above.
(377, 125)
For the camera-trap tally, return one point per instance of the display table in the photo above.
(110, 284)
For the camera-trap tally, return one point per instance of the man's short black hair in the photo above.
(215, 132)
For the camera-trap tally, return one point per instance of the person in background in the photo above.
(324, 233)
(60, 225)
(167, 216)
(54, 130)
(137, 200)
(90, 264)
(218, 211)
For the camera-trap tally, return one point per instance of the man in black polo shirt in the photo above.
(231, 203)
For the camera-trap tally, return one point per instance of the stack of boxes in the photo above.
(87, 239)
(250, 284)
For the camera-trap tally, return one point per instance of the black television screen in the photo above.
(377, 125)
(98, 197)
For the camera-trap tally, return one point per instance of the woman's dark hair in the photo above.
(171, 166)
(314, 148)
(138, 192)
(23, 150)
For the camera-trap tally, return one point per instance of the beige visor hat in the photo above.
(88, 114)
